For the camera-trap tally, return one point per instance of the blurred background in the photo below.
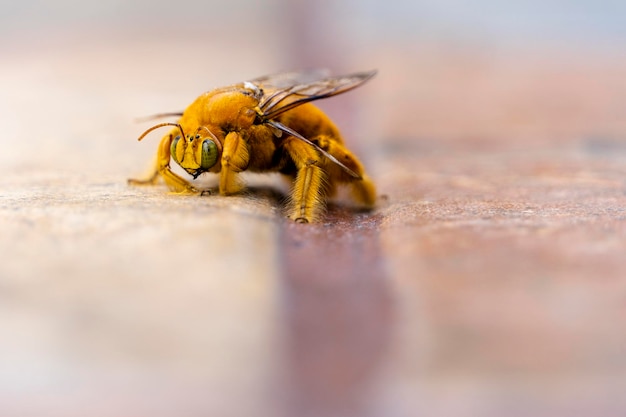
(489, 282)
(540, 70)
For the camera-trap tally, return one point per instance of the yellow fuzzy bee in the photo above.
(266, 125)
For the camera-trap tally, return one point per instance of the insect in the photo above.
(267, 124)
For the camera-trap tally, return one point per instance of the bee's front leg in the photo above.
(235, 158)
(150, 180)
(308, 194)
(162, 168)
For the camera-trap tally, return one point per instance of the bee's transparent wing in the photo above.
(284, 80)
(158, 116)
(283, 92)
(290, 131)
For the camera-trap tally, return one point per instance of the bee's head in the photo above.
(195, 153)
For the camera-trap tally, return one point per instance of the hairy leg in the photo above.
(162, 168)
(235, 158)
(308, 194)
(363, 189)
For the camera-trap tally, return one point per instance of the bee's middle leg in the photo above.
(309, 190)
(235, 158)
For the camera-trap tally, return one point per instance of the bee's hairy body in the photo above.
(224, 133)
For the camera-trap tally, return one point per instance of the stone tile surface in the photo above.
(490, 280)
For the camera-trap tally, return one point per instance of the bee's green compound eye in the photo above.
(209, 154)
(173, 148)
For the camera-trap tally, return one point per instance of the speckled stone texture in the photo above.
(489, 281)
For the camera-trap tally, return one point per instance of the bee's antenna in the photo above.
(162, 125)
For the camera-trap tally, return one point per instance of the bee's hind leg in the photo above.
(363, 190)
(309, 190)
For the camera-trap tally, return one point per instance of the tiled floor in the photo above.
(489, 281)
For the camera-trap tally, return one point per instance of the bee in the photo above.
(267, 124)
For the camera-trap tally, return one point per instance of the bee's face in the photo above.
(196, 154)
